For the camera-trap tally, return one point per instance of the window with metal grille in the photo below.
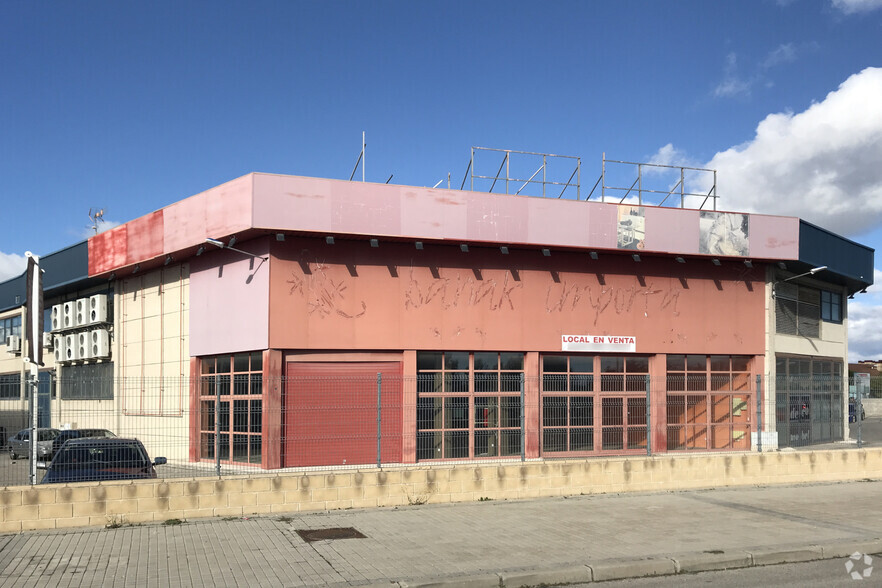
(231, 407)
(567, 403)
(10, 386)
(623, 402)
(89, 381)
(468, 404)
(708, 402)
(797, 310)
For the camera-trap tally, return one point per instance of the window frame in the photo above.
(10, 325)
(618, 403)
(794, 298)
(831, 309)
(567, 403)
(239, 429)
(700, 402)
(8, 383)
(462, 415)
(87, 381)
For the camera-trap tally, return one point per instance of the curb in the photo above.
(621, 569)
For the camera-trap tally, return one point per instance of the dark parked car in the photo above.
(95, 460)
(20, 444)
(66, 434)
(851, 412)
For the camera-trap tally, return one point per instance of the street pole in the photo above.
(33, 340)
(759, 413)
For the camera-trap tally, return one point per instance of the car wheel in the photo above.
(12, 454)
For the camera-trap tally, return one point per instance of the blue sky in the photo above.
(131, 106)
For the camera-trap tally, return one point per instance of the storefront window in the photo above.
(231, 407)
(468, 404)
(809, 400)
(567, 403)
(708, 402)
(593, 403)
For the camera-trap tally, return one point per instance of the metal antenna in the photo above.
(96, 217)
(359, 160)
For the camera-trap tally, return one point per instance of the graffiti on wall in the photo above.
(459, 291)
(601, 299)
(324, 295)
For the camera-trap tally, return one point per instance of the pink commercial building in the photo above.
(497, 326)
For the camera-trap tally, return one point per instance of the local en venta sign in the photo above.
(609, 343)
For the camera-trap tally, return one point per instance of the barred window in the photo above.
(232, 403)
(10, 386)
(798, 310)
(708, 401)
(567, 403)
(91, 381)
(468, 404)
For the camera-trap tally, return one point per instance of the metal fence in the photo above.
(235, 424)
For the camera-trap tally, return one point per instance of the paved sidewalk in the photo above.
(476, 544)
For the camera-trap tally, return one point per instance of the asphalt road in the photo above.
(871, 431)
(815, 574)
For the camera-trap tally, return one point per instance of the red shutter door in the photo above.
(330, 414)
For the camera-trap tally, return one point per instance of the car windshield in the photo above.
(47, 435)
(101, 456)
(96, 433)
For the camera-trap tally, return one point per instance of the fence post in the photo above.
(858, 407)
(648, 418)
(523, 410)
(759, 413)
(379, 418)
(32, 449)
(217, 390)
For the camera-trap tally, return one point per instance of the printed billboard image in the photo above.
(631, 227)
(723, 233)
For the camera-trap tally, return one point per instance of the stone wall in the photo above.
(143, 501)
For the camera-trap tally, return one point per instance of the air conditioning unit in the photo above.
(68, 315)
(71, 349)
(100, 340)
(13, 344)
(60, 349)
(48, 340)
(57, 317)
(98, 308)
(84, 344)
(82, 312)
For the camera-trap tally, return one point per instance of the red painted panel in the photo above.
(145, 238)
(272, 409)
(330, 415)
(353, 297)
(107, 250)
(195, 383)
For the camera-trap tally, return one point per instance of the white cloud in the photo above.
(821, 164)
(104, 225)
(864, 334)
(784, 53)
(11, 265)
(670, 155)
(856, 6)
(876, 288)
(733, 84)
